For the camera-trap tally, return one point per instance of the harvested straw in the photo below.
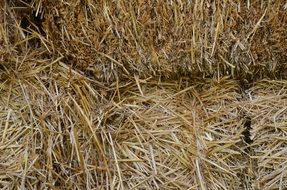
(49, 129)
(108, 39)
(266, 104)
(56, 132)
(222, 158)
(85, 100)
(176, 136)
(207, 38)
(152, 136)
(59, 131)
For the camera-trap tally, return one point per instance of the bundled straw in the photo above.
(178, 136)
(135, 94)
(222, 158)
(153, 137)
(49, 129)
(108, 39)
(60, 129)
(267, 106)
(205, 38)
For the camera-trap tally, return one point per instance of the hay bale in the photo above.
(211, 124)
(222, 158)
(191, 133)
(85, 100)
(153, 137)
(206, 38)
(60, 129)
(266, 106)
(108, 39)
(49, 135)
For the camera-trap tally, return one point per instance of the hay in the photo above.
(142, 95)
(162, 38)
(49, 135)
(266, 105)
(153, 137)
(60, 129)
(222, 155)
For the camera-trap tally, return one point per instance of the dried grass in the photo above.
(134, 95)
(59, 131)
(153, 137)
(266, 104)
(109, 39)
(50, 139)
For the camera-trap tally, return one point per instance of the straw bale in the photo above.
(266, 106)
(222, 161)
(60, 129)
(49, 128)
(132, 94)
(178, 136)
(153, 136)
(207, 38)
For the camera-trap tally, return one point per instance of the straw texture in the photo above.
(143, 94)
(266, 105)
(113, 38)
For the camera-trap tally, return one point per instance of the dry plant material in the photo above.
(177, 135)
(86, 101)
(266, 104)
(108, 39)
(243, 39)
(49, 128)
(59, 131)
(153, 136)
(221, 160)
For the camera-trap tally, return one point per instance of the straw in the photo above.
(143, 94)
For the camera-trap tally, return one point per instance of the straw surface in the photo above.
(60, 129)
(143, 94)
(50, 136)
(108, 39)
(266, 104)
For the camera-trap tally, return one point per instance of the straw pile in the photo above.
(142, 95)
